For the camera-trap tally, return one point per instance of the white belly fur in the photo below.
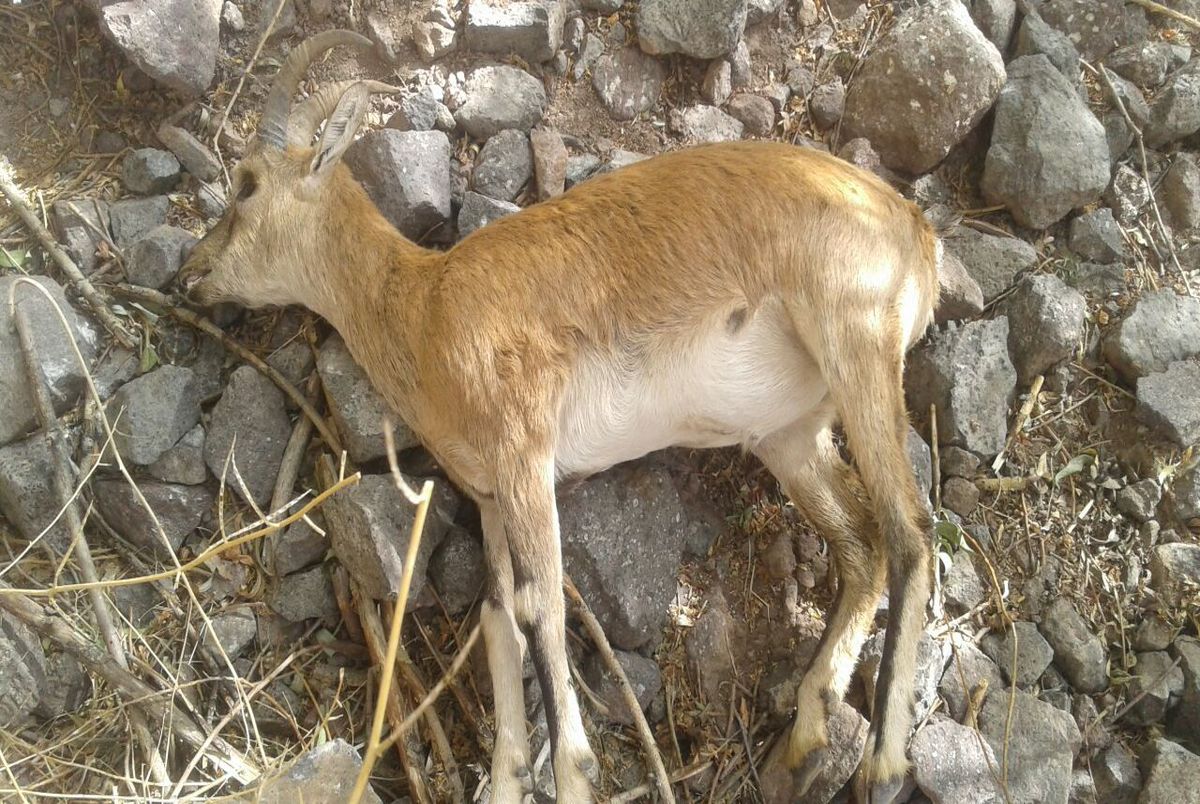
(722, 388)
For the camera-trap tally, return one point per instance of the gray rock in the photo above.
(323, 775)
(1127, 195)
(372, 540)
(479, 210)
(179, 510)
(133, 217)
(1119, 134)
(1175, 111)
(1116, 774)
(235, 628)
(1153, 633)
(1174, 569)
(623, 534)
(357, 407)
(969, 667)
(709, 645)
(1036, 37)
(183, 462)
(1163, 328)
(702, 29)
(921, 460)
(27, 494)
(297, 547)
(718, 82)
(1034, 653)
(433, 40)
(847, 731)
(532, 29)
(580, 167)
(992, 261)
(1078, 653)
(505, 165)
(151, 413)
(1096, 27)
(59, 368)
(1096, 237)
(210, 200)
(573, 33)
(249, 430)
(996, 19)
(589, 54)
(952, 766)
(702, 123)
(1047, 321)
(1170, 772)
(800, 81)
(1183, 723)
(407, 175)
(194, 155)
(1083, 789)
(500, 97)
(740, 73)
(294, 360)
(22, 671)
(181, 53)
(1168, 401)
(644, 677)
(1144, 63)
(1184, 501)
(379, 30)
(603, 6)
(967, 373)
(827, 103)
(960, 496)
(1129, 96)
(304, 595)
(1157, 684)
(149, 171)
(1181, 192)
(1098, 281)
(1039, 763)
(457, 570)
(958, 462)
(70, 689)
(759, 10)
(921, 90)
(80, 226)
(549, 162)
(960, 296)
(963, 588)
(1049, 153)
(628, 82)
(418, 112)
(154, 260)
(755, 113)
(231, 17)
(1138, 501)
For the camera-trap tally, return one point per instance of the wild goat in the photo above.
(747, 293)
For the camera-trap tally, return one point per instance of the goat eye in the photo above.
(247, 186)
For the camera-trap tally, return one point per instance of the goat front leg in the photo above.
(525, 495)
(512, 781)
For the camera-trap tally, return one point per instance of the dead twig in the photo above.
(1159, 8)
(75, 277)
(1022, 416)
(662, 779)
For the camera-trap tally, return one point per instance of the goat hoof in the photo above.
(810, 770)
(590, 768)
(869, 790)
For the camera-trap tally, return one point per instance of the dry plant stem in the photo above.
(293, 456)
(93, 298)
(935, 459)
(63, 489)
(132, 689)
(153, 297)
(1159, 8)
(1035, 388)
(643, 790)
(662, 779)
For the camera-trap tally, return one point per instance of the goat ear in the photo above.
(340, 128)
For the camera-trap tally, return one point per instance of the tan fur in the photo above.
(477, 347)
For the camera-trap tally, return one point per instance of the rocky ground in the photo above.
(1054, 144)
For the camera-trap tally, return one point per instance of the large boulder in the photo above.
(1096, 27)
(530, 28)
(1049, 153)
(925, 87)
(500, 97)
(1041, 748)
(173, 41)
(702, 29)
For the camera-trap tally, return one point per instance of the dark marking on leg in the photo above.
(541, 664)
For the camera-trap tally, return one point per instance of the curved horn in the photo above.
(272, 129)
(303, 121)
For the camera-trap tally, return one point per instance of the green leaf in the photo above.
(1074, 467)
(149, 359)
(13, 259)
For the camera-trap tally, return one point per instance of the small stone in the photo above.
(133, 217)
(23, 677)
(479, 210)
(718, 82)
(549, 162)
(1116, 774)
(407, 175)
(997, 19)
(1096, 237)
(573, 33)
(1168, 401)
(299, 546)
(705, 124)
(968, 669)
(847, 731)
(1153, 633)
(210, 199)
(193, 154)
(184, 462)
(628, 82)
(294, 361)
(960, 296)
(27, 493)
(174, 42)
(1040, 762)
(1157, 684)
(739, 65)
(1127, 195)
(702, 29)
(498, 98)
(416, 113)
(304, 595)
(920, 459)
(1129, 96)
(457, 571)
(434, 41)
(532, 29)
(1078, 653)
(179, 510)
(1034, 654)
(149, 171)
(580, 167)
(644, 677)
(379, 30)
(154, 411)
(1181, 192)
(505, 165)
(1047, 322)
(758, 11)
(950, 764)
(1138, 500)
(962, 588)
(991, 260)
(1183, 722)
(1183, 505)
(1175, 111)
(756, 114)
(1036, 37)
(960, 496)
(69, 691)
(827, 103)
(154, 260)
(358, 409)
(958, 462)
(248, 431)
(235, 629)
(1163, 328)
(1098, 281)
(231, 16)
(1174, 570)
(593, 49)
